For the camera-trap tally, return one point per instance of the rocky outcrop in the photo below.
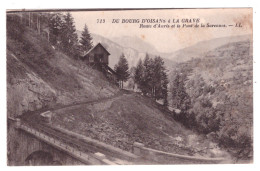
(29, 94)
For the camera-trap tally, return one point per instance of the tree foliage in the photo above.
(69, 39)
(85, 40)
(181, 99)
(55, 28)
(151, 78)
(122, 70)
(58, 28)
(160, 80)
(215, 97)
(139, 74)
(131, 80)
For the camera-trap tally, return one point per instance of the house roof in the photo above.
(99, 44)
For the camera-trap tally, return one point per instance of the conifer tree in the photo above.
(164, 87)
(139, 74)
(151, 78)
(86, 40)
(148, 75)
(69, 39)
(131, 80)
(180, 98)
(55, 27)
(160, 80)
(122, 70)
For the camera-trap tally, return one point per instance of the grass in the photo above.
(32, 62)
(126, 119)
(118, 121)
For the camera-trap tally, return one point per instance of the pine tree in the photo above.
(86, 40)
(122, 70)
(69, 39)
(160, 80)
(180, 98)
(156, 79)
(131, 80)
(165, 82)
(148, 75)
(139, 74)
(55, 27)
(151, 78)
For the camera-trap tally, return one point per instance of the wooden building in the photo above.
(98, 58)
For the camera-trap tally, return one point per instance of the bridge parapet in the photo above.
(101, 146)
(171, 158)
(87, 158)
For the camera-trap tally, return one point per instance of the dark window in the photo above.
(99, 58)
(91, 58)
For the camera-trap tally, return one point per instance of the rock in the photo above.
(178, 139)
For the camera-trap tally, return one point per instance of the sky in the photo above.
(167, 39)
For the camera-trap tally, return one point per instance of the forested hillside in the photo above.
(214, 93)
(41, 76)
(215, 96)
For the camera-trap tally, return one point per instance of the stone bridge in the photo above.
(32, 146)
(48, 145)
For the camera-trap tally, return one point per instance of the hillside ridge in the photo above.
(200, 49)
(218, 91)
(37, 71)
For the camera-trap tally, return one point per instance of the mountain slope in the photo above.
(135, 43)
(39, 76)
(201, 48)
(122, 120)
(219, 90)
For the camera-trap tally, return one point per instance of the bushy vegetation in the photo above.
(214, 95)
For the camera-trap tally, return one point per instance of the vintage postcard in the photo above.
(129, 86)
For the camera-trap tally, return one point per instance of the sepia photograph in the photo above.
(129, 86)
